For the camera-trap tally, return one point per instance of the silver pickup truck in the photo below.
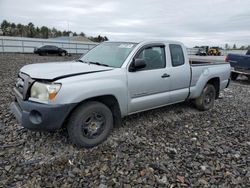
(115, 79)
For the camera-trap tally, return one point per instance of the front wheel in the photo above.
(90, 124)
(206, 100)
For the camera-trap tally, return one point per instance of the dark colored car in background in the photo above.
(49, 49)
(240, 64)
(201, 52)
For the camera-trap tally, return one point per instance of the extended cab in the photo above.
(240, 64)
(115, 79)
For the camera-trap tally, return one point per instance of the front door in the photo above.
(148, 86)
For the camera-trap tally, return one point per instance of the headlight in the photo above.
(43, 91)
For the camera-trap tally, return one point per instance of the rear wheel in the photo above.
(63, 54)
(234, 75)
(90, 124)
(206, 100)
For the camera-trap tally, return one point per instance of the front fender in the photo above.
(76, 90)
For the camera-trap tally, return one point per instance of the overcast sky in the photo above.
(194, 22)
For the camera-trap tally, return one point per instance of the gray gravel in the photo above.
(174, 146)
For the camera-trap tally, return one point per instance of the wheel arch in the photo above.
(109, 100)
(216, 83)
(197, 89)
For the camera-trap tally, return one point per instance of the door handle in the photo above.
(165, 75)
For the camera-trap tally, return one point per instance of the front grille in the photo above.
(20, 83)
(23, 84)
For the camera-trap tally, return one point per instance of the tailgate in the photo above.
(239, 62)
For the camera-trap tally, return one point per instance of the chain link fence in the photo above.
(27, 45)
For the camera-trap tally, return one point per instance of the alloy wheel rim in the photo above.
(209, 97)
(93, 125)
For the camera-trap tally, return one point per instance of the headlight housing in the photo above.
(44, 91)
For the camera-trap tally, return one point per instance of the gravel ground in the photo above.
(174, 146)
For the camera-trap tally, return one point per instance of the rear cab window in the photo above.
(177, 56)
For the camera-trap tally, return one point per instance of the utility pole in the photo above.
(69, 35)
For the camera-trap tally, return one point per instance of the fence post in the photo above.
(2, 45)
(22, 46)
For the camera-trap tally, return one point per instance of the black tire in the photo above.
(83, 123)
(206, 100)
(63, 54)
(234, 75)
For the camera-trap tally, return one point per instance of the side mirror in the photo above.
(137, 64)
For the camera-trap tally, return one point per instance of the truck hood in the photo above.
(54, 70)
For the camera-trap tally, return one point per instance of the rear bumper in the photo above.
(40, 117)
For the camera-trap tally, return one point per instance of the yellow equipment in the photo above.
(214, 51)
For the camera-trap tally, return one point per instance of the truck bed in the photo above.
(203, 70)
(204, 62)
(206, 58)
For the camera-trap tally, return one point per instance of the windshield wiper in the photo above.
(79, 60)
(97, 63)
(92, 62)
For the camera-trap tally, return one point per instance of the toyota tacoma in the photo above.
(90, 96)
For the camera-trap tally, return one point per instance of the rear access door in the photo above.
(180, 73)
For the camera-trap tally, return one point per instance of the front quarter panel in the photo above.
(79, 88)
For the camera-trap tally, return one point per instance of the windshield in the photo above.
(111, 54)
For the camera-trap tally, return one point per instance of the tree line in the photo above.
(234, 47)
(32, 31)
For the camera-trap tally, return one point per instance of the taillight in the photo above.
(226, 58)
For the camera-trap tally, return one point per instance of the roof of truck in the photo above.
(148, 41)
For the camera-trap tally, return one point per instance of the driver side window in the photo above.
(154, 57)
